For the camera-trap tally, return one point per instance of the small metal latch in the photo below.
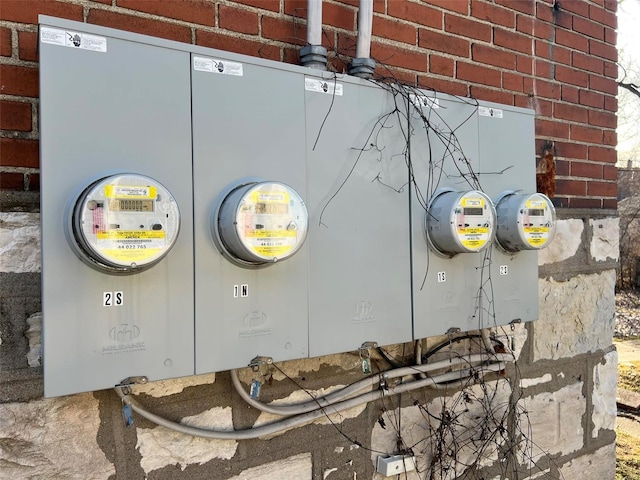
(368, 345)
(136, 380)
(257, 361)
(514, 322)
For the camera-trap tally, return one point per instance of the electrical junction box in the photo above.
(116, 208)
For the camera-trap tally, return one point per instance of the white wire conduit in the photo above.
(365, 25)
(302, 419)
(314, 22)
(365, 384)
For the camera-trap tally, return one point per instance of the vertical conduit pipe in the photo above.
(314, 55)
(363, 65)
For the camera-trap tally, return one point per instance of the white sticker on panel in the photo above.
(490, 112)
(66, 38)
(424, 101)
(323, 86)
(223, 67)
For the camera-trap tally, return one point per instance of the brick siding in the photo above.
(557, 59)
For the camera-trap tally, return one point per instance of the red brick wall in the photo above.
(559, 60)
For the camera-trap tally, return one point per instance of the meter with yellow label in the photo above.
(124, 223)
(260, 223)
(525, 221)
(460, 222)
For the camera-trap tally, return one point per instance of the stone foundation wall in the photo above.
(550, 416)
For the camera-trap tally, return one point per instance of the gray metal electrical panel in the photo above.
(507, 163)
(113, 105)
(248, 125)
(202, 208)
(444, 154)
(359, 267)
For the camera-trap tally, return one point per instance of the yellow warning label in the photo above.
(131, 235)
(129, 191)
(272, 250)
(274, 234)
(536, 229)
(536, 236)
(473, 231)
(131, 246)
(472, 202)
(131, 255)
(535, 204)
(274, 196)
(473, 238)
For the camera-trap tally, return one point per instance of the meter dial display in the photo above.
(261, 222)
(525, 221)
(124, 223)
(460, 222)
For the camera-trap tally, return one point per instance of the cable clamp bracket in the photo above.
(257, 361)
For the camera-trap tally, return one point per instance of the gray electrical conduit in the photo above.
(298, 420)
(365, 23)
(329, 399)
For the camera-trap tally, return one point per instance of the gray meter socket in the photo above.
(460, 222)
(260, 223)
(124, 223)
(525, 221)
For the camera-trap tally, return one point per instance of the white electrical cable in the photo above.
(486, 341)
(367, 383)
(314, 22)
(303, 419)
(365, 25)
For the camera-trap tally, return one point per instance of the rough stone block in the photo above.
(605, 239)
(565, 243)
(600, 465)
(19, 242)
(576, 316)
(605, 380)
(556, 421)
(160, 446)
(298, 466)
(19, 299)
(53, 438)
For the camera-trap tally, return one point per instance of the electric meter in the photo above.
(460, 222)
(260, 223)
(525, 222)
(124, 223)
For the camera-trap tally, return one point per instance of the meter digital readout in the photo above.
(261, 223)
(124, 223)
(460, 222)
(525, 221)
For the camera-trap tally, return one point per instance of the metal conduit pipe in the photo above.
(367, 383)
(303, 419)
(363, 65)
(314, 55)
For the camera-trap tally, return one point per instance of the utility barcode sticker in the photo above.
(222, 67)
(323, 86)
(66, 38)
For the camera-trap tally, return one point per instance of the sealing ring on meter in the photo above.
(525, 221)
(123, 223)
(258, 223)
(459, 222)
